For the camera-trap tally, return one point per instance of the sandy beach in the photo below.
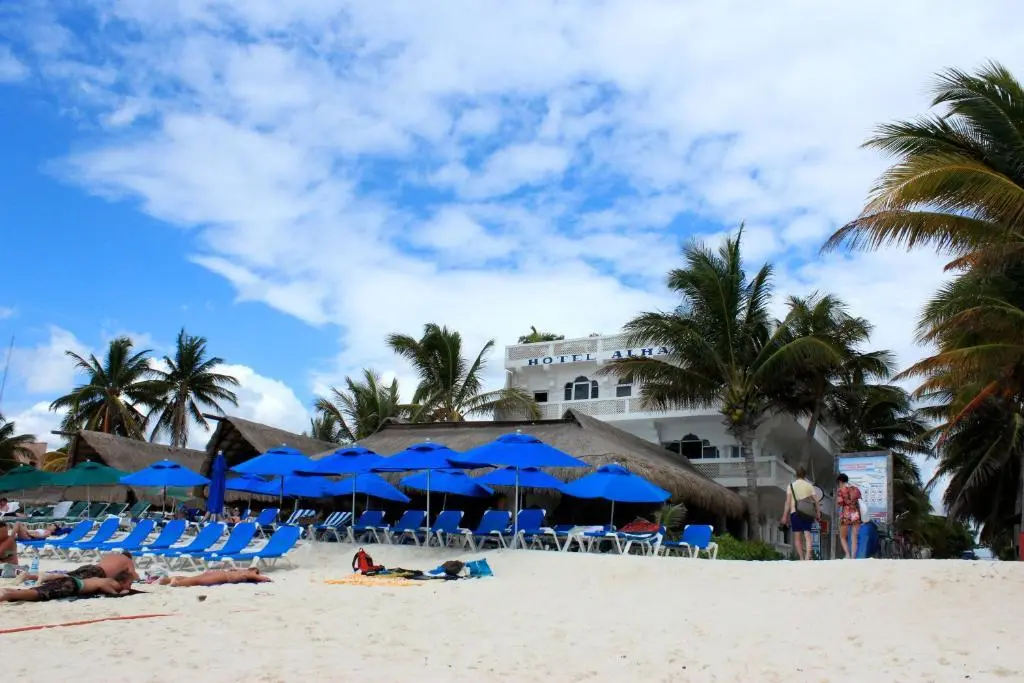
(545, 617)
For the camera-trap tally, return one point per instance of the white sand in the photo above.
(547, 617)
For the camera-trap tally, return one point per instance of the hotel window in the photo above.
(624, 389)
(580, 389)
(540, 396)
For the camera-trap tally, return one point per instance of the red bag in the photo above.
(640, 526)
(363, 563)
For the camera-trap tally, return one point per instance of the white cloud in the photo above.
(47, 369)
(7, 312)
(11, 68)
(544, 161)
(37, 420)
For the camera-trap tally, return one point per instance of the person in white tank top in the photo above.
(798, 522)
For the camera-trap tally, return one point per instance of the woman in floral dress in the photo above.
(848, 499)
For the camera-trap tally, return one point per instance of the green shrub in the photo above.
(731, 548)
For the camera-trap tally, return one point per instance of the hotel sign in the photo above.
(597, 356)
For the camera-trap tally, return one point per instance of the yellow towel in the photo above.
(360, 580)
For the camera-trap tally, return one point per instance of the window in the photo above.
(624, 389)
(581, 389)
(540, 396)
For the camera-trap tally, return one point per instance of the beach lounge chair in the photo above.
(62, 546)
(445, 528)
(138, 510)
(492, 527)
(71, 511)
(298, 518)
(266, 520)
(332, 526)
(207, 536)
(696, 539)
(364, 526)
(132, 542)
(238, 540)
(533, 533)
(77, 533)
(408, 525)
(115, 509)
(169, 535)
(276, 549)
(96, 510)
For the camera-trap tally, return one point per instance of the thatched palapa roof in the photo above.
(241, 440)
(591, 440)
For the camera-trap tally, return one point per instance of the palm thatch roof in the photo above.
(591, 440)
(241, 440)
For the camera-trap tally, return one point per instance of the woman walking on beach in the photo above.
(848, 499)
(800, 512)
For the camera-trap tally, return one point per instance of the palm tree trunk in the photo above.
(746, 438)
(812, 427)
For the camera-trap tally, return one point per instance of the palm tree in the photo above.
(324, 427)
(727, 353)
(808, 391)
(13, 446)
(115, 393)
(450, 388)
(536, 336)
(54, 461)
(360, 410)
(188, 384)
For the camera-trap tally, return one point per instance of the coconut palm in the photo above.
(808, 391)
(324, 427)
(536, 336)
(116, 393)
(726, 352)
(187, 384)
(13, 446)
(450, 388)
(54, 461)
(359, 410)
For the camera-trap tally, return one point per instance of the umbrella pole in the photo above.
(611, 522)
(352, 524)
(444, 502)
(280, 498)
(515, 520)
(163, 504)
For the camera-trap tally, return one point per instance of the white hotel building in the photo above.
(563, 375)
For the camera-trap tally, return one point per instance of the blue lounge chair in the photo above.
(408, 525)
(492, 527)
(132, 542)
(239, 539)
(206, 537)
(169, 535)
(696, 539)
(266, 520)
(298, 516)
(277, 547)
(332, 526)
(77, 533)
(364, 526)
(532, 532)
(445, 527)
(104, 532)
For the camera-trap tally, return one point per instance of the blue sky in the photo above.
(296, 180)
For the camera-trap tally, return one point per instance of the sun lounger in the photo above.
(206, 537)
(533, 533)
(583, 537)
(696, 539)
(138, 510)
(445, 528)
(63, 546)
(132, 542)
(115, 510)
(238, 540)
(298, 517)
(169, 535)
(74, 511)
(492, 527)
(408, 525)
(77, 533)
(364, 526)
(96, 510)
(276, 549)
(266, 520)
(332, 526)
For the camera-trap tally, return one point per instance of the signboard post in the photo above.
(871, 472)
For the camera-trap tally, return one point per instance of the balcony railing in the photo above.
(606, 407)
(771, 471)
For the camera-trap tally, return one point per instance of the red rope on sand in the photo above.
(82, 623)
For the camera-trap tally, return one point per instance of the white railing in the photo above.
(567, 347)
(610, 407)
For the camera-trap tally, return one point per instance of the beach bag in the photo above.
(640, 526)
(804, 506)
(363, 563)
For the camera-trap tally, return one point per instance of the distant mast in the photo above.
(7, 366)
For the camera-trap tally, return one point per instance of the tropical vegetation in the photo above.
(13, 446)
(535, 336)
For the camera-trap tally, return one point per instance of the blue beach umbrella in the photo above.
(350, 460)
(164, 474)
(455, 482)
(527, 477)
(277, 462)
(367, 484)
(218, 480)
(617, 484)
(518, 451)
(427, 456)
(250, 483)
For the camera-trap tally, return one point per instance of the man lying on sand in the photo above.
(23, 533)
(112, 575)
(215, 577)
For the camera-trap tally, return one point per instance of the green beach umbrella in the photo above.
(24, 477)
(88, 474)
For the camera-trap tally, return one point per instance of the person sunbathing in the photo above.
(116, 569)
(8, 546)
(23, 533)
(215, 577)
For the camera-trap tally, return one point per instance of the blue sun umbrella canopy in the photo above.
(277, 462)
(518, 450)
(617, 484)
(529, 477)
(250, 483)
(293, 485)
(218, 480)
(164, 473)
(455, 482)
(367, 484)
(422, 456)
(351, 460)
